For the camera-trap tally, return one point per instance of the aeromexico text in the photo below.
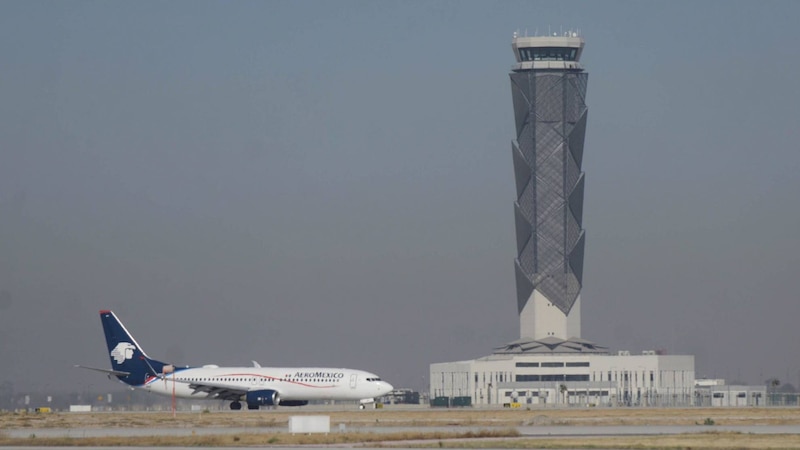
(319, 375)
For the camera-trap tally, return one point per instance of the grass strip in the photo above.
(249, 439)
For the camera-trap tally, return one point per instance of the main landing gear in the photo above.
(236, 406)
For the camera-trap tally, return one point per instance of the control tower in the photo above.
(548, 87)
(550, 364)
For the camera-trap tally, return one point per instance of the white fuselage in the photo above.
(304, 383)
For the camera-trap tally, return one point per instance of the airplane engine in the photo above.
(265, 397)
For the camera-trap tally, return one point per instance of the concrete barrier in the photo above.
(309, 424)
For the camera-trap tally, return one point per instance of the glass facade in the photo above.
(548, 54)
(550, 114)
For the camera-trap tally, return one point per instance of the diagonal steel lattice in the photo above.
(550, 114)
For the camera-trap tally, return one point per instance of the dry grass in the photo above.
(251, 439)
(422, 417)
(488, 439)
(700, 441)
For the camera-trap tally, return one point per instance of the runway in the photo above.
(651, 430)
(578, 428)
(526, 431)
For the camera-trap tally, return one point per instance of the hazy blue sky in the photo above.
(331, 183)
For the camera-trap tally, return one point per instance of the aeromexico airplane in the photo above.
(255, 386)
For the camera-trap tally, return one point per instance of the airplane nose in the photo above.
(388, 387)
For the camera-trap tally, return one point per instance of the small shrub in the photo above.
(708, 421)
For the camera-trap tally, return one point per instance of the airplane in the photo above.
(256, 386)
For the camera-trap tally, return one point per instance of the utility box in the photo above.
(80, 408)
(441, 402)
(309, 424)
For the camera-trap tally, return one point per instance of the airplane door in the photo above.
(353, 379)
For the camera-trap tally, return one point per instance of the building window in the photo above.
(552, 364)
(578, 364)
(598, 393)
(548, 54)
(559, 377)
(577, 377)
(528, 378)
(527, 364)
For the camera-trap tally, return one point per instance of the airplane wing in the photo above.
(222, 392)
(213, 390)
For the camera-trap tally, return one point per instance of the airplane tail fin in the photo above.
(129, 362)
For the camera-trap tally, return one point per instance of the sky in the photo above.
(313, 183)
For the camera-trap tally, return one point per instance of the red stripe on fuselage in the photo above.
(270, 378)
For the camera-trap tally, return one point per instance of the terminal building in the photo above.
(551, 364)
